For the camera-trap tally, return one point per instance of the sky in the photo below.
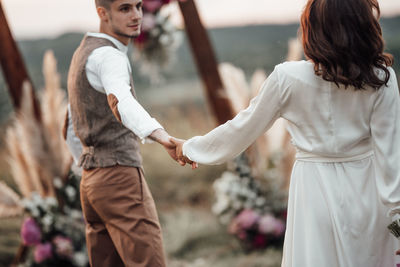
(49, 18)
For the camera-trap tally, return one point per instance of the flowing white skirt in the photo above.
(336, 218)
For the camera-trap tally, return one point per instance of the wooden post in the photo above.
(13, 66)
(206, 62)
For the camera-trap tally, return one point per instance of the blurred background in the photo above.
(251, 35)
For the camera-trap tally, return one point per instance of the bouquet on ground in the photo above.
(253, 210)
(158, 39)
(54, 228)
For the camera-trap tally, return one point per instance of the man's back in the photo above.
(106, 142)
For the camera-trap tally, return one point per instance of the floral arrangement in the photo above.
(254, 210)
(55, 233)
(52, 233)
(158, 39)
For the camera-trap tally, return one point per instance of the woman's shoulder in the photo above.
(295, 68)
(297, 71)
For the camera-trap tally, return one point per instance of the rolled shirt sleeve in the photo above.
(113, 69)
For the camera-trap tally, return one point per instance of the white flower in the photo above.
(260, 201)
(155, 32)
(57, 182)
(80, 259)
(221, 186)
(35, 212)
(52, 201)
(168, 27)
(71, 192)
(160, 19)
(165, 39)
(47, 220)
(221, 205)
(27, 203)
(36, 199)
(178, 39)
(75, 214)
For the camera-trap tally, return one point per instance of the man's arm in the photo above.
(109, 68)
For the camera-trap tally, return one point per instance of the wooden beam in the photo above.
(206, 62)
(13, 66)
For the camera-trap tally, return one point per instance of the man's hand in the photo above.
(162, 137)
(179, 153)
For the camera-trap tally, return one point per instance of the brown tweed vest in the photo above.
(106, 142)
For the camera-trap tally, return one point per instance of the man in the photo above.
(122, 225)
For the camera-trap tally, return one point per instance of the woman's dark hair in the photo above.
(344, 40)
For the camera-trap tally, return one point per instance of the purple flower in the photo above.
(259, 241)
(42, 252)
(30, 232)
(152, 6)
(247, 218)
(63, 246)
(268, 224)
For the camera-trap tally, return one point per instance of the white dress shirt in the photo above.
(108, 71)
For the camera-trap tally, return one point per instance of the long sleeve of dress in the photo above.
(228, 140)
(385, 130)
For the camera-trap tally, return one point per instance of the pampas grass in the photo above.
(235, 84)
(277, 139)
(38, 152)
(10, 203)
(27, 148)
(54, 108)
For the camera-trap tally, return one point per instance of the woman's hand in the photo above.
(179, 153)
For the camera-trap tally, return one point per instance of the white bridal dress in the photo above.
(345, 183)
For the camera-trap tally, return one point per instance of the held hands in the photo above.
(173, 147)
(179, 153)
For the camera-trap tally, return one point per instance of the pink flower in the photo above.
(279, 228)
(30, 232)
(247, 218)
(152, 6)
(148, 22)
(268, 224)
(42, 252)
(63, 246)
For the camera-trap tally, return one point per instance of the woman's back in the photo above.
(324, 119)
(346, 177)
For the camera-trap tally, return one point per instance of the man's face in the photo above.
(125, 18)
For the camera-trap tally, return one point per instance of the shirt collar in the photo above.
(118, 44)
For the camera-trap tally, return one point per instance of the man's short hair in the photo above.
(104, 3)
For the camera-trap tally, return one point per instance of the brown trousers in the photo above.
(122, 227)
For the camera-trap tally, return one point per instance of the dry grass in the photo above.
(9, 239)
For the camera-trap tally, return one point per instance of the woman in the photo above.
(343, 110)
